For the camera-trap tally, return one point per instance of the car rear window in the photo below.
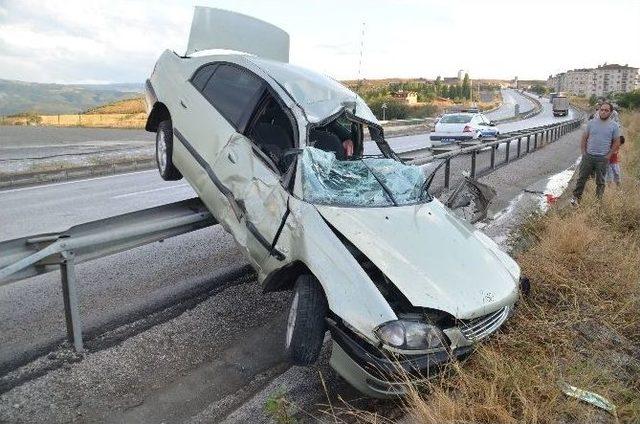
(455, 119)
(233, 92)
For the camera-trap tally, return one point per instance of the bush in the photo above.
(629, 100)
(395, 108)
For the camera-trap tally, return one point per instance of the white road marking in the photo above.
(135, 193)
(74, 181)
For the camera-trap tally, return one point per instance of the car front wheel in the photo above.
(164, 152)
(306, 324)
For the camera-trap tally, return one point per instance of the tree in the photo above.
(629, 100)
(465, 91)
(395, 108)
(438, 85)
(539, 89)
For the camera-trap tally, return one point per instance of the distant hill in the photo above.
(19, 96)
(129, 106)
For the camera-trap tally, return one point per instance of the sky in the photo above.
(106, 41)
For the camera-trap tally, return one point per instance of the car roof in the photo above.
(319, 95)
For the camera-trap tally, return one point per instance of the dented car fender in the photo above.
(350, 292)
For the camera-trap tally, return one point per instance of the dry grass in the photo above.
(130, 113)
(580, 325)
(129, 106)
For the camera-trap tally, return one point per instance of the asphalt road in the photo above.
(421, 141)
(511, 98)
(30, 136)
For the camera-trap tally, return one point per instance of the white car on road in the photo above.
(463, 126)
(276, 153)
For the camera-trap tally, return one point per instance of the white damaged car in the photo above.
(275, 151)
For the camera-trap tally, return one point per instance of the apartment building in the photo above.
(600, 81)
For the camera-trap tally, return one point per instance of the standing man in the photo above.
(600, 140)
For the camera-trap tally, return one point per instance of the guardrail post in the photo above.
(507, 148)
(474, 154)
(493, 156)
(447, 171)
(70, 295)
(519, 145)
(528, 142)
(535, 141)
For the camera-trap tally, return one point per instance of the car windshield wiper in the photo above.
(383, 185)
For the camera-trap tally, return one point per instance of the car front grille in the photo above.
(478, 328)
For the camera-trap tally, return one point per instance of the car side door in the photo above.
(256, 199)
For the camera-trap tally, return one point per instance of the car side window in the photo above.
(202, 75)
(271, 131)
(234, 93)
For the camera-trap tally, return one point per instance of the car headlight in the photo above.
(411, 335)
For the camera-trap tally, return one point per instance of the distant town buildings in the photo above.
(409, 97)
(600, 81)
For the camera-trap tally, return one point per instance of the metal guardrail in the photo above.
(29, 256)
(526, 141)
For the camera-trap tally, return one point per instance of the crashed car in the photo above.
(276, 152)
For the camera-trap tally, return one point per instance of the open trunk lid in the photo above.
(220, 29)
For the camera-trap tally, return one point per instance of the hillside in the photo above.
(18, 96)
(132, 105)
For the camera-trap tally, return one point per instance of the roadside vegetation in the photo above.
(432, 97)
(128, 113)
(580, 325)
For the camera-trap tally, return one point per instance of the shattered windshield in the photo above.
(366, 182)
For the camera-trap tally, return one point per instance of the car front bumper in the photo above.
(381, 377)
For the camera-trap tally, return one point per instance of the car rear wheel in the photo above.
(306, 323)
(164, 152)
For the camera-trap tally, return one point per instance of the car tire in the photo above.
(306, 323)
(164, 152)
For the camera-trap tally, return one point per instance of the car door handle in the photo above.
(182, 104)
(232, 157)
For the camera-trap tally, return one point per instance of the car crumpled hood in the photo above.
(435, 259)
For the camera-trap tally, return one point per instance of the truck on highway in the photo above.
(560, 106)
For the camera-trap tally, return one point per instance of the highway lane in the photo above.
(31, 311)
(511, 98)
(421, 141)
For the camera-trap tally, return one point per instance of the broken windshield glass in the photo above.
(368, 182)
